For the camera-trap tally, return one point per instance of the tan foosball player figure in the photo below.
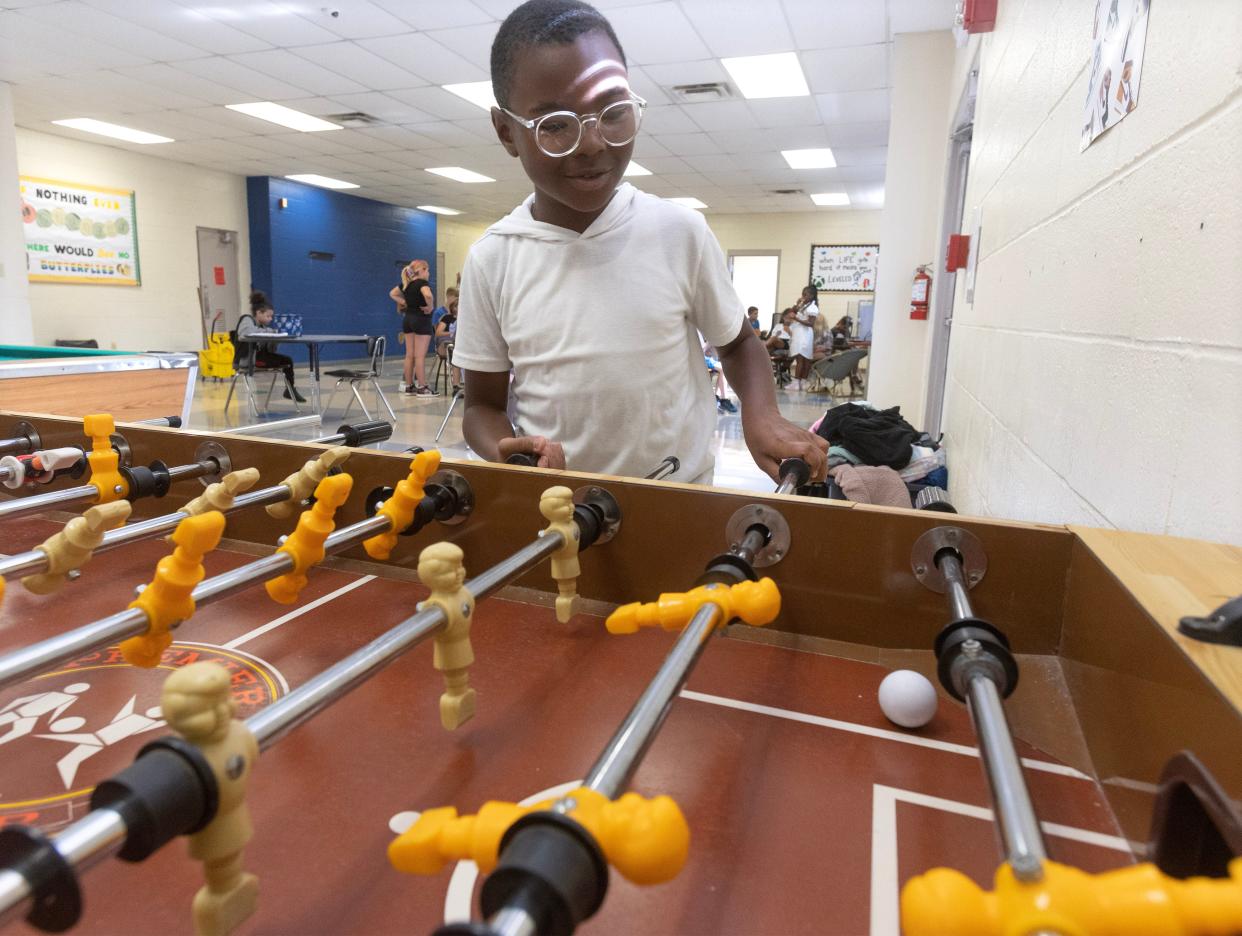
(198, 705)
(441, 567)
(557, 507)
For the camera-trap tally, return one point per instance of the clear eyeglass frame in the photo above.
(633, 101)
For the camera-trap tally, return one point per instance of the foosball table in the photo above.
(381, 692)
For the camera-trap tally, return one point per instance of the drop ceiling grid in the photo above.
(167, 67)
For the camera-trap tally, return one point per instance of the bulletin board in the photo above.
(844, 267)
(79, 233)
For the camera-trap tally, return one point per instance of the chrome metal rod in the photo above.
(85, 843)
(194, 470)
(521, 561)
(1020, 834)
(39, 503)
(173, 421)
(35, 560)
(19, 446)
(274, 426)
(754, 540)
(788, 485)
(955, 586)
(272, 723)
(512, 921)
(5, 473)
(667, 467)
(612, 770)
(282, 716)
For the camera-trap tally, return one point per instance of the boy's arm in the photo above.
(486, 425)
(770, 437)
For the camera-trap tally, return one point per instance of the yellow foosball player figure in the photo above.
(557, 507)
(441, 568)
(198, 704)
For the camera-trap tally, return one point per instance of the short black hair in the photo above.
(542, 22)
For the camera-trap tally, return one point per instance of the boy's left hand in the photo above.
(772, 438)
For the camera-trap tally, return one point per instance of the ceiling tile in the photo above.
(646, 146)
(438, 102)
(360, 19)
(294, 69)
(711, 163)
(702, 71)
(721, 115)
(920, 15)
(275, 23)
(473, 43)
(181, 81)
(743, 141)
(828, 24)
(426, 58)
(662, 164)
(186, 25)
(252, 85)
(80, 19)
(645, 88)
(686, 144)
(858, 134)
(769, 159)
(383, 107)
(784, 112)
(398, 137)
(858, 68)
(82, 51)
(854, 106)
(657, 32)
(362, 65)
(740, 27)
(438, 14)
(667, 120)
(863, 156)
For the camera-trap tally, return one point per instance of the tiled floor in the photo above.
(419, 418)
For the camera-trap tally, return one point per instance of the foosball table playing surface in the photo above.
(799, 807)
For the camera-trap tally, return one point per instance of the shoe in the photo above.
(726, 405)
(402, 387)
(424, 391)
(456, 389)
(296, 396)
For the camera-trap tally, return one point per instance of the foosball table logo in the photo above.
(63, 731)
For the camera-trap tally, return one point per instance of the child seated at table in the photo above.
(257, 324)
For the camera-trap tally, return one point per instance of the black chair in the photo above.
(354, 377)
(246, 365)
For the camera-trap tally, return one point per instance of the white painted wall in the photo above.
(14, 294)
(173, 199)
(1098, 376)
(918, 139)
(793, 234)
(453, 239)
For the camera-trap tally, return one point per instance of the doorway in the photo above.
(756, 278)
(219, 292)
(944, 287)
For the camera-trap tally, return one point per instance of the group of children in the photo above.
(421, 323)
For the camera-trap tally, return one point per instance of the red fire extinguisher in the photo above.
(920, 293)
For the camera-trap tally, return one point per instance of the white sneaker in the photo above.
(401, 387)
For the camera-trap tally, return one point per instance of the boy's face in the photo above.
(583, 76)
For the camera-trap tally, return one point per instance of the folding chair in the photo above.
(354, 377)
(247, 365)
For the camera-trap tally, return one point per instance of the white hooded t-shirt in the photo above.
(600, 329)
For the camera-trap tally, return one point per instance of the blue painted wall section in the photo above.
(368, 241)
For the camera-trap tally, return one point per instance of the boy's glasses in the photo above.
(558, 134)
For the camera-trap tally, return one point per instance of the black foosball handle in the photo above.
(794, 473)
(523, 458)
(364, 433)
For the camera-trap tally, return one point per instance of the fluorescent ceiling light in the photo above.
(768, 76)
(688, 202)
(634, 169)
(322, 181)
(103, 128)
(809, 158)
(285, 116)
(436, 209)
(458, 174)
(831, 198)
(476, 92)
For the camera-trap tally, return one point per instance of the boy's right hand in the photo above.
(549, 453)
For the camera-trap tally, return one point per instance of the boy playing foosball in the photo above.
(594, 293)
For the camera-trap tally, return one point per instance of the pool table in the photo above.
(77, 381)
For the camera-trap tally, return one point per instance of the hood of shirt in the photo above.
(520, 223)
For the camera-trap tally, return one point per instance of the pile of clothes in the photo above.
(876, 457)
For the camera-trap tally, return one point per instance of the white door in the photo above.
(219, 290)
(755, 277)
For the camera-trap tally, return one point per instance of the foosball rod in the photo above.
(57, 861)
(980, 675)
(171, 422)
(150, 480)
(442, 500)
(612, 770)
(24, 440)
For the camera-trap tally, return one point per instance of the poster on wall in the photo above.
(79, 233)
(844, 267)
(1117, 41)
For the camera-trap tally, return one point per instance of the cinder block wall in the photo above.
(1097, 378)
